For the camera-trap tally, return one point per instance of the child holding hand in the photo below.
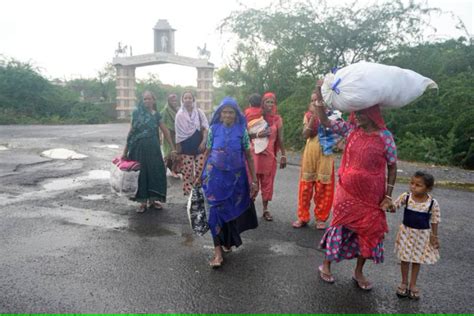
(417, 239)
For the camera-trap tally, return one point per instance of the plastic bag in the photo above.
(197, 211)
(124, 183)
(364, 84)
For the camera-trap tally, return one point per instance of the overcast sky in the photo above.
(70, 39)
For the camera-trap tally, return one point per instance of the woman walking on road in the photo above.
(225, 182)
(191, 128)
(143, 145)
(266, 161)
(363, 192)
(317, 171)
(168, 115)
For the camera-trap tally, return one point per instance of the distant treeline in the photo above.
(436, 128)
(287, 46)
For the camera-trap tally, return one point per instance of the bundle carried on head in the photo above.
(364, 84)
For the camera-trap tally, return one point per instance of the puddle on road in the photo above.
(62, 153)
(112, 146)
(69, 183)
(78, 216)
(92, 197)
(286, 249)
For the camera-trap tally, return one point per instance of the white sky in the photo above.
(70, 39)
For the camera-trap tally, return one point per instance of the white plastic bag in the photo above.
(364, 84)
(124, 183)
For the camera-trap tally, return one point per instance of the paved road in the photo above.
(69, 245)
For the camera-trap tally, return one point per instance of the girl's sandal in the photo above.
(402, 290)
(414, 294)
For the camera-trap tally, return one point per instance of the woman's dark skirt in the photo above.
(230, 232)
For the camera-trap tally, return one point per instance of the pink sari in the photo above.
(361, 188)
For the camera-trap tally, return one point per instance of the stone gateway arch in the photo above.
(163, 54)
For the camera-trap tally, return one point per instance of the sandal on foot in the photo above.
(142, 208)
(326, 277)
(299, 224)
(267, 216)
(320, 225)
(402, 290)
(363, 285)
(214, 263)
(226, 250)
(414, 294)
(156, 205)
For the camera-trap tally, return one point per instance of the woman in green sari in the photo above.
(143, 145)
(168, 115)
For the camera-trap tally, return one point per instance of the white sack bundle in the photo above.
(364, 84)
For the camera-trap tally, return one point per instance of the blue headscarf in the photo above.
(229, 101)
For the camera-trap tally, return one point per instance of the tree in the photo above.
(280, 44)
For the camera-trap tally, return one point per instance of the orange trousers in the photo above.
(321, 193)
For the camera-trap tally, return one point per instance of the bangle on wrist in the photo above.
(390, 185)
(388, 197)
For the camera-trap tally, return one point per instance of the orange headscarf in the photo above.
(272, 117)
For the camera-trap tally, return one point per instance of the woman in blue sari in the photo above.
(225, 181)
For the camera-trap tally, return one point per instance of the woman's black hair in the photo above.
(428, 179)
(255, 100)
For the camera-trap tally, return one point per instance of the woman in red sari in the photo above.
(266, 161)
(363, 191)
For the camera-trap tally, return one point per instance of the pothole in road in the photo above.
(62, 153)
(68, 183)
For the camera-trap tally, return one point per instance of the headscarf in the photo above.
(186, 124)
(168, 115)
(272, 117)
(143, 125)
(374, 114)
(229, 101)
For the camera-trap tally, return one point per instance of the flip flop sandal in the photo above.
(328, 278)
(226, 250)
(156, 205)
(366, 286)
(267, 216)
(141, 209)
(414, 294)
(299, 224)
(402, 290)
(215, 264)
(320, 225)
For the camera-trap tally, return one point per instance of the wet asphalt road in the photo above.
(68, 245)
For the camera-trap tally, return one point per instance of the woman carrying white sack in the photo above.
(363, 84)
